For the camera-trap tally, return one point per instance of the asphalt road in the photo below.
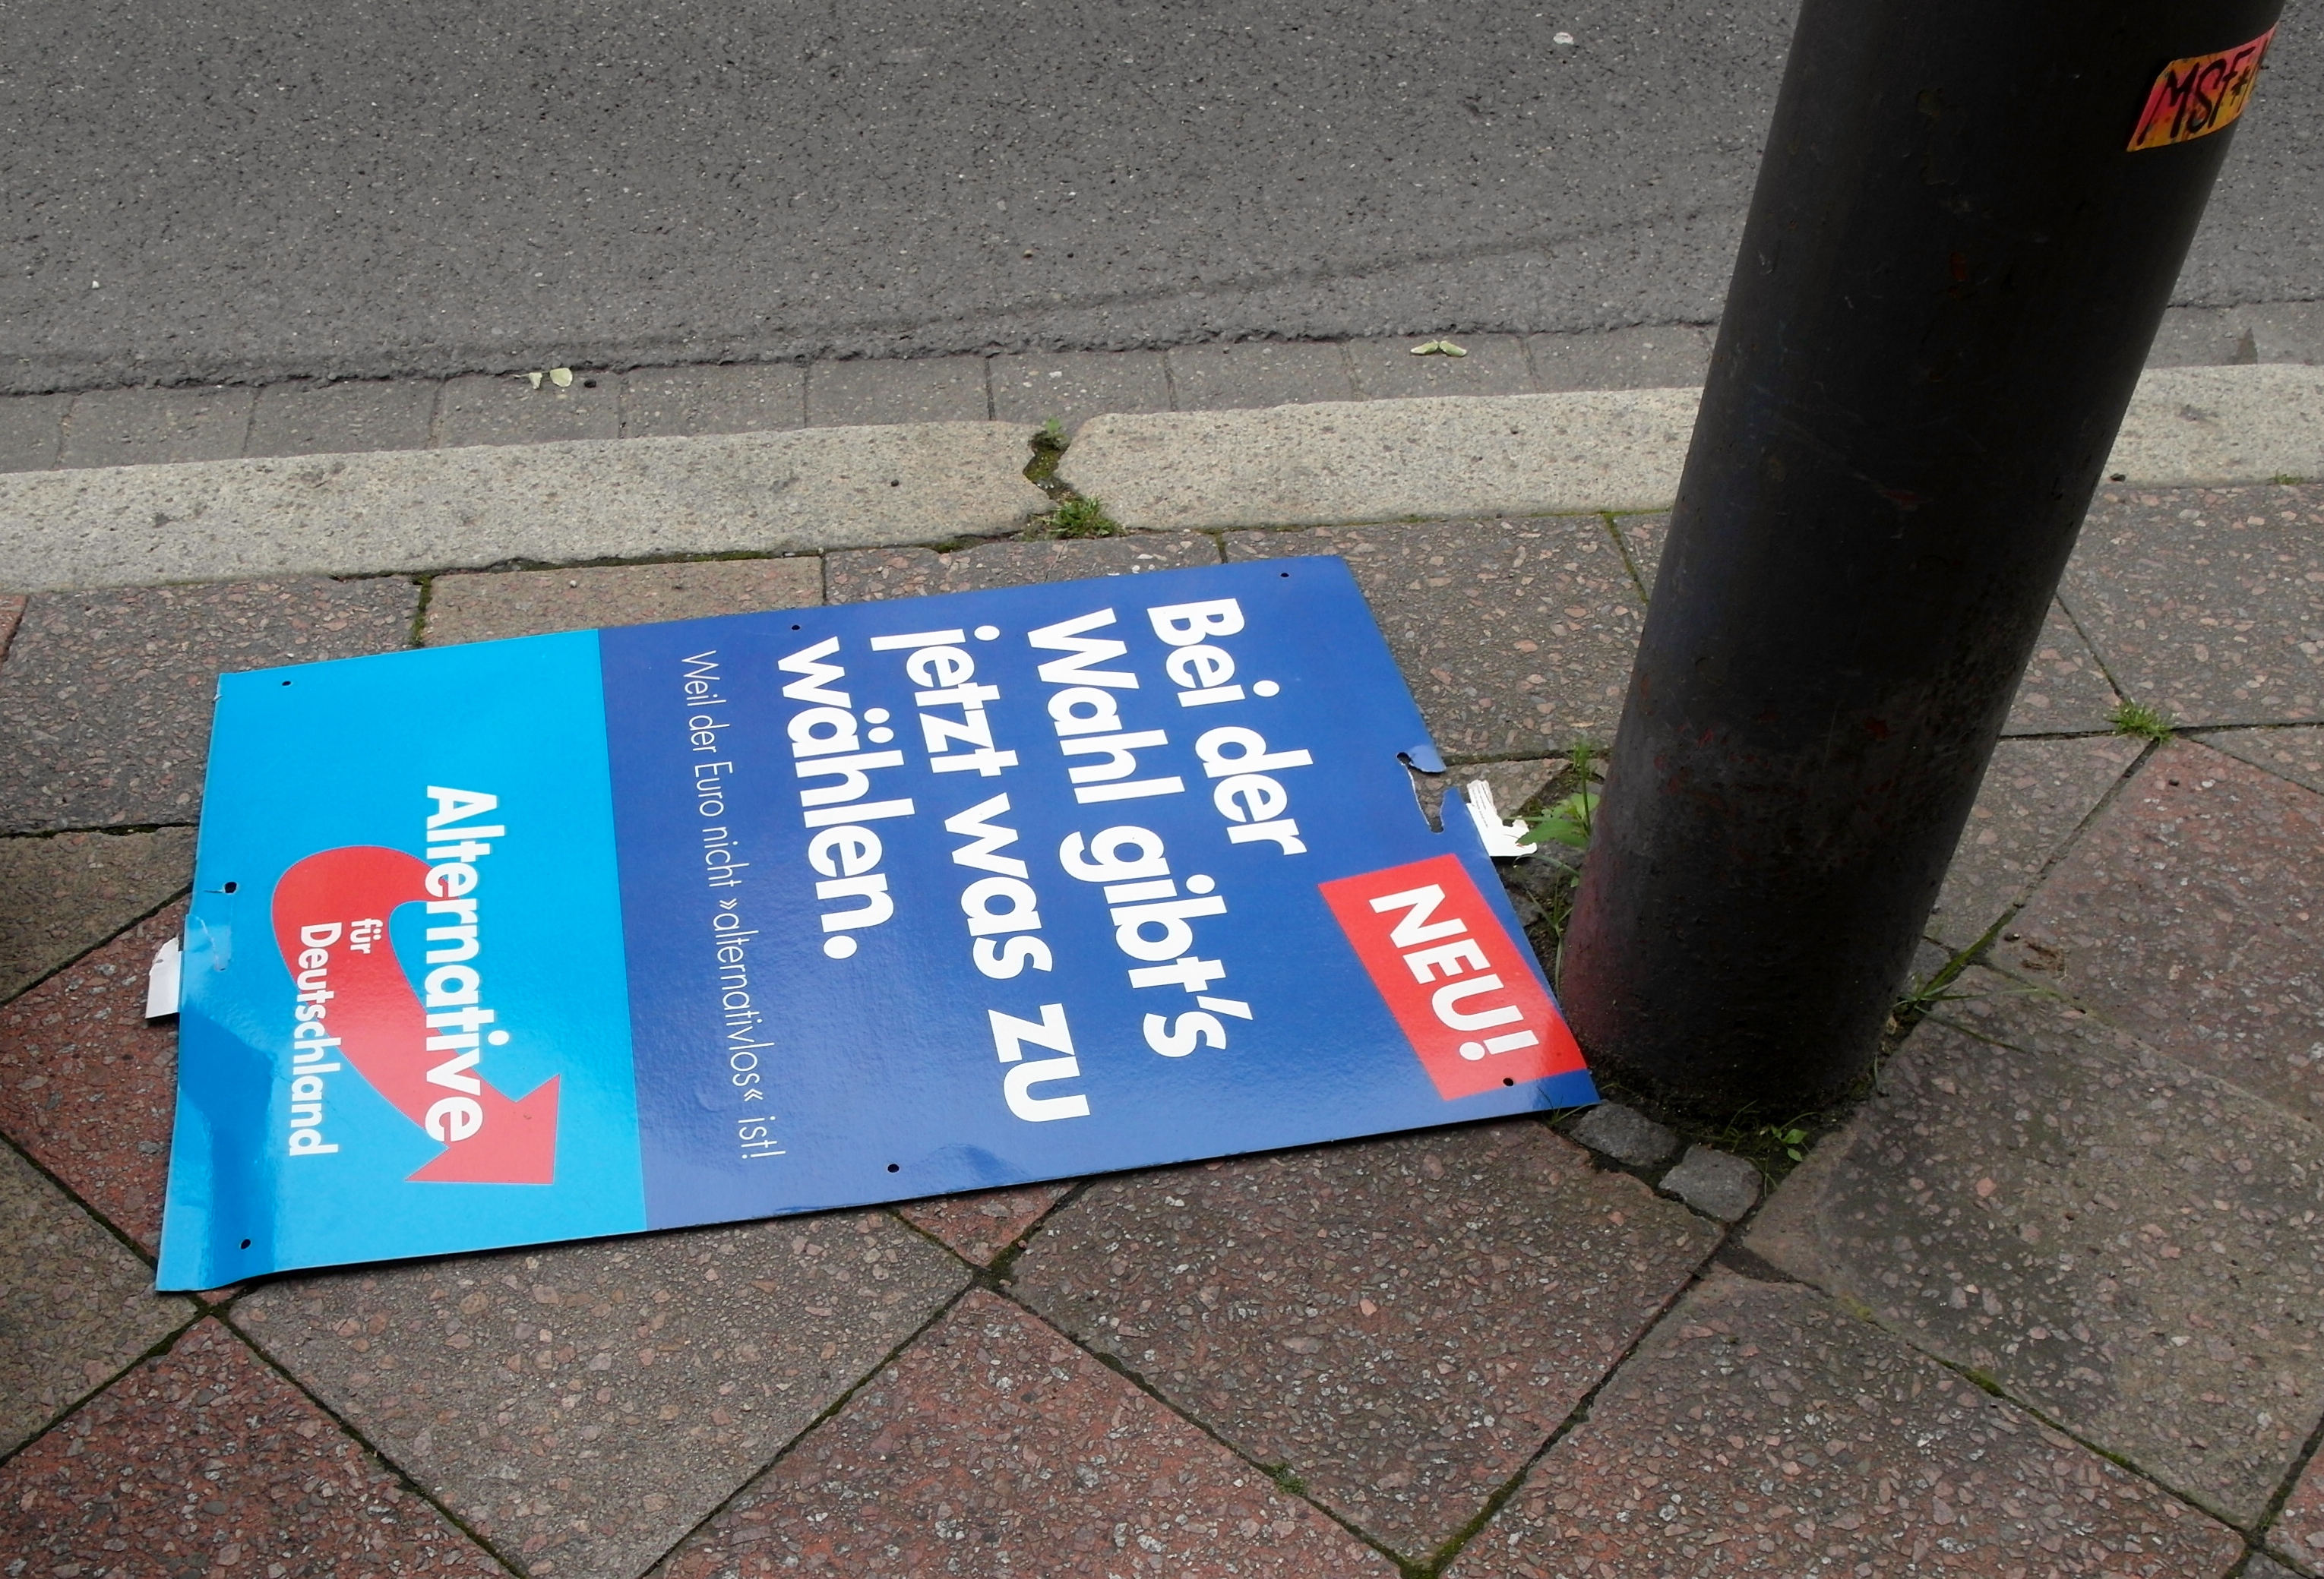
(250, 189)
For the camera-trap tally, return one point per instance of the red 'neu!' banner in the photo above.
(1459, 988)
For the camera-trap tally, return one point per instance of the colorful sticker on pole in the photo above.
(624, 929)
(2200, 95)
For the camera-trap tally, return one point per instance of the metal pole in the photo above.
(1952, 267)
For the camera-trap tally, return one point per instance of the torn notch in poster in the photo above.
(630, 929)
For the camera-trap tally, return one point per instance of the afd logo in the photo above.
(424, 1048)
(1461, 991)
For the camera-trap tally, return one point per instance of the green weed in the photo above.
(1082, 517)
(2136, 719)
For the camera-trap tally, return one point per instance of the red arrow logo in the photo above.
(382, 1028)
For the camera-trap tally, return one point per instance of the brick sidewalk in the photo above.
(2045, 1304)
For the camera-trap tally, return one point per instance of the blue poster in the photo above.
(586, 934)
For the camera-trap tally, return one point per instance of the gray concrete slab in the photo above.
(326, 419)
(1764, 1430)
(1386, 370)
(105, 698)
(79, 1307)
(63, 895)
(2296, 753)
(140, 426)
(2287, 331)
(678, 402)
(32, 431)
(2201, 336)
(2035, 795)
(1625, 1134)
(2131, 1247)
(1515, 636)
(2299, 1531)
(853, 394)
(583, 1405)
(1259, 373)
(492, 606)
(637, 498)
(490, 409)
(1070, 387)
(1672, 356)
(1717, 1184)
(2221, 425)
(2185, 914)
(1385, 459)
(2206, 604)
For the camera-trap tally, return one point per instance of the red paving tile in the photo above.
(2299, 1531)
(2188, 914)
(205, 1462)
(1402, 1322)
(994, 1445)
(980, 1226)
(12, 609)
(1762, 1430)
(88, 1086)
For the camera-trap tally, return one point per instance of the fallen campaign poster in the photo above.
(585, 934)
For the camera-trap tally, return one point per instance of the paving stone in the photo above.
(1401, 1322)
(87, 1084)
(531, 602)
(342, 419)
(2287, 331)
(1642, 539)
(136, 428)
(1662, 356)
(32, 431)
(2263, 1567)
(2187, 914)
(1070, 387)
(747, 397)
(980, 1226)
(2296, 754)
(2207, 602)
(857, 394)
(2065, 687)
(61, 896)
(2298, 1531)
(1386, 370)
(1259, 373)
(1514, 635)
(106, 699)
(12, 612)
(1761, 1430)
(506, 408)
(204, 1461)
(1715, 1183)
(74, 1306)
(2129, 1245)
(858, 575)
(1513, 783)
(584, 1405)
(1625, 1134)
(993, 1446)
(2035, 795)
(2199, 336)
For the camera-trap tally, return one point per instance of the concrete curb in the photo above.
(1544, 455)
(814, 489)
(802, 489)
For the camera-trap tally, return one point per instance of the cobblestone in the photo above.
(141, 427)
(2187, 914)
(584, 1405)
(678, 402)
(2127, 1244)
(204, 1461)
(1657, 357)
(504, 409)
(87, 1084)
(994, 1446)
(1070, 387)
(851, 394)
(1401, 1323)
(1386, 370)
(1259, 373)
(1762, 1431)
(368, 414)
(77, 1306)
(1714, 1183)
(70, 893)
